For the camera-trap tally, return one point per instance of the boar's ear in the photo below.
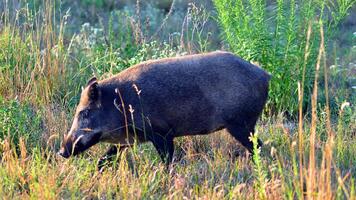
(93, 90)
(92, 80)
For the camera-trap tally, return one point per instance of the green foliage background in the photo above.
(276, 38)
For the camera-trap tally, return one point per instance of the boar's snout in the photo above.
(66, 149)
(76, 143)
(62, 152)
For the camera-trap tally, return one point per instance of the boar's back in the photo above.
(195, 94)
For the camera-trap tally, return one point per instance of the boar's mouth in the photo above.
(78, 146)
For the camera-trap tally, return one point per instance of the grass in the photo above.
(205, 170)
(42, 68)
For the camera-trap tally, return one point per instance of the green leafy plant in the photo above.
(19, 120)
(260, 172)
(276, 37)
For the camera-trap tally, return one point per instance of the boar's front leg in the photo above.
(164, 146)
(109, 156)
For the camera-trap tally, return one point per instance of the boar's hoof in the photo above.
(102, 162)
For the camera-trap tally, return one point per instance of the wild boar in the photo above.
(159, 100)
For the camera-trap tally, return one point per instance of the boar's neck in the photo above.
(128, 94)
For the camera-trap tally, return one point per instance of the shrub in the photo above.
(19, 120)
(107, 54)
(276, 37)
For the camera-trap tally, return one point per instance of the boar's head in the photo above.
(90, 122)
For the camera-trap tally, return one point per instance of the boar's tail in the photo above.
(268, 76)
(265, 84)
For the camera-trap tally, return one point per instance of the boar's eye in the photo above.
(84, 113)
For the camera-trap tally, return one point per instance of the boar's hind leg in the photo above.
(241, 132)
(164, 146)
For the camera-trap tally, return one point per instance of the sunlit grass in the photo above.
(212, 172)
